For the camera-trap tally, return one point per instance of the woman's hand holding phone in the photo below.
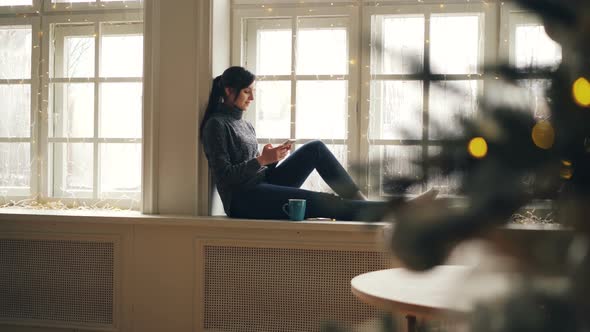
(271, 155)
(289, 142)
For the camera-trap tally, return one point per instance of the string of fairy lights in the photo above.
(542, 134)
(72, 12)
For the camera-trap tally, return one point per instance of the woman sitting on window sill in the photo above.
(251, 185)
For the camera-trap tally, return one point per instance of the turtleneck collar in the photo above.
(233, 112)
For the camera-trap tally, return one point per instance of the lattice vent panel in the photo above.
(57, 281)
(279, 289)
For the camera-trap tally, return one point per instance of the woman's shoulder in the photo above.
(214, 127)
(215, 122)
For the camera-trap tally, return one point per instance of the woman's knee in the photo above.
(316, 146)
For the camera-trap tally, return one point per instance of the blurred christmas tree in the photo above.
(506, 159)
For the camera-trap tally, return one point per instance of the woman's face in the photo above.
(243, 98)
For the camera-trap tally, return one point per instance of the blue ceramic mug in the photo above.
(295, 209)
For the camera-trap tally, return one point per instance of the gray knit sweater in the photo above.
(231, 149)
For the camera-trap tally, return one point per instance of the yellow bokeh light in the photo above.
(478, 147)
(543, 135)
(581, 92)
(566, 173)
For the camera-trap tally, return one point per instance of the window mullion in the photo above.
(371, 62)
(36, 132)
(96, 162)
(426, 96)
(45, 180)
(294, 30)
(354, 21)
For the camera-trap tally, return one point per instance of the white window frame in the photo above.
(47, 169)
(33, 139)
(39, 17)
(94, 6)
(511, 17)
(487, 12)
(360, 50)
(345, 17)
(33, 9)
(508, 29)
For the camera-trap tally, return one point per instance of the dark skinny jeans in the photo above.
(266, 200)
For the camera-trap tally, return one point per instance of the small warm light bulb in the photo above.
(581, 92)
(566, 173)
(543, 135)
(478, 147)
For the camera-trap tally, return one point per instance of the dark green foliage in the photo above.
(516, 171)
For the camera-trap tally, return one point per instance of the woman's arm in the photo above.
(215, 142)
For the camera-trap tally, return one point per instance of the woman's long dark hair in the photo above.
(235, 78)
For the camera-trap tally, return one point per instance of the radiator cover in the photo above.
(69, 282)
(284, 289)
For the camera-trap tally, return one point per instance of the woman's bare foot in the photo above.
(428, 195)
(359, 196)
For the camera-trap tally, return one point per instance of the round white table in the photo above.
(429, 294)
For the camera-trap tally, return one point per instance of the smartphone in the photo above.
(320, 219)
(289, 142)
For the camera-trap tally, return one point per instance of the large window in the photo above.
(304, 64)
(410, 111)
(18, 51)
(72, 94)
(387, 92)
(527, 46)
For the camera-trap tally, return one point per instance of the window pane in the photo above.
(79, 57)
(392, 161)
(120, 169)
(15, 52)
(455, 43)
(400, 48)
(314, 181)
(446, 185)
(121, 52)
(396, 110)
(534, 48)
(448, 101)
(536, 94)
(71, 110)
(72, 50)
(274, 52)
(15, 110)
(73, 169)
(16, 2)
(68, 1)
(322, 109)
(15, 165)
(120, 110)
(273, 109)
(322, 51)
